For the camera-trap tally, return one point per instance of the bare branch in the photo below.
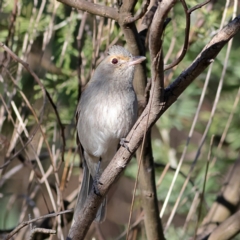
(41, 230)
(23, 224)
(198, 6)
(157, 27)
(187, 30)
(140, 15)
(96, 9)
(204, 59)
(185, 45)
(20, 150)
(12, 23)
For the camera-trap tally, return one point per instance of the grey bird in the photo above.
(105, 114)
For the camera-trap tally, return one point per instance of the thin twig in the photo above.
(12, 22)
(190, 10)
(135, 224)
(224, 134)
(41, 230)
(30, 138)
(139, 16)
(26, 66)
(185, 45)
(23, 224)
(202, 141)
(204, 186)
(187, 30)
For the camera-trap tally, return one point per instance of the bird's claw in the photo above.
(123, 143)
(95, 186)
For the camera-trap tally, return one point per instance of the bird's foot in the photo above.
(95, 186)
(124, 142)
(96, 179)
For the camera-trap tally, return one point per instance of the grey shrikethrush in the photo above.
(106, 113)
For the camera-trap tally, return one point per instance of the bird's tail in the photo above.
(87, 184)
(101, 213)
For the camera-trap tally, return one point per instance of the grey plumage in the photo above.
(106, 112)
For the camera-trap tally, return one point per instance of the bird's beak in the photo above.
(136, 60)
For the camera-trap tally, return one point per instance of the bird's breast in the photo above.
(104, 120)
(117, 115)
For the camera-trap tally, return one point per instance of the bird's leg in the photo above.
(123, 143)
(96, 179)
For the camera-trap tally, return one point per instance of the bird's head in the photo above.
(119, 63)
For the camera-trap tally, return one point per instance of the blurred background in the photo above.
(40, 167)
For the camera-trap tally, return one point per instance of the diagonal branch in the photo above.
(204, 59)
(123, 156)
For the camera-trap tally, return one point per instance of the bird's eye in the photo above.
(114, 61)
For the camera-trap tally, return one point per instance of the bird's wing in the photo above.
(87, 182)
(86, 186)
(80, 147)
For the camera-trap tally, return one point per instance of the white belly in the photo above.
(103, 123)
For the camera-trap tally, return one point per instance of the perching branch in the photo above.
(147, 119)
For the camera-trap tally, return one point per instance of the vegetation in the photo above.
(48, 53)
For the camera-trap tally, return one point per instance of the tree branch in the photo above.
(23, 224)
(96, 9)
(139, 16)
(187, 31)
(147, 119)
(204, 59)
(185, 45)
(153, 225)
